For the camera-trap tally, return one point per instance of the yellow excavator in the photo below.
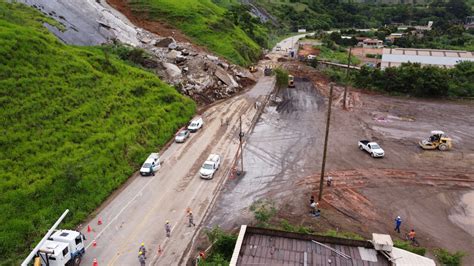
(437, 140)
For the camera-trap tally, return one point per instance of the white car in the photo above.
(181, 136)
(372, 148)
(195, 124)
(210, 166)
(152, 162)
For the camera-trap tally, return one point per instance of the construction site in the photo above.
(432, 190)
(270, 144)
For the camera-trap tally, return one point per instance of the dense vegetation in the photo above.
(326, 14)
(227, 30)
(75, 124)
(223, 245)
(420, 81)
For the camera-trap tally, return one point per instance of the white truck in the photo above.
(372, 148)
(210, 166)
(151, 165)
(196, 124)
(58, 247)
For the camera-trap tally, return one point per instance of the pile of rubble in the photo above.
(204, 77)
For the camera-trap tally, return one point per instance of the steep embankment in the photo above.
(75, 124)
(203, 21)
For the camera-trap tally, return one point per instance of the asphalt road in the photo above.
(138, 213)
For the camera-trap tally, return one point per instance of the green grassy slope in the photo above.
(206, 23)
(75, 124)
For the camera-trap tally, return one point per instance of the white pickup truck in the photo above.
(210, 166)
(371, 147)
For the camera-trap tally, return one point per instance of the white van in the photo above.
(195, 124)
(152, 162)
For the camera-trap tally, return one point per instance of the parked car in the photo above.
(195, 124)
(181, 136)
(372, 148)
(210, 166)
(152, 162)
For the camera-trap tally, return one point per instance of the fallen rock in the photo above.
(172, 55)
(212, 58)
(226, 78)
(173, 46)
(165, 42)
(223, 65)
(172, 70)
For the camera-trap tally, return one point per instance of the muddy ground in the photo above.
(431, 190)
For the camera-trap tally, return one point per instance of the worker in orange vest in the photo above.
(412, 236)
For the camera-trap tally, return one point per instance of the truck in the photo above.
(58, 247)
(152, 162)
(210, 166)
(372, 148)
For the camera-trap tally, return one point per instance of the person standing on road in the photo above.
(142, 249)
(191, 219)
(398, 223)
(141, 258)
(168, 229)
(312, 204)
(151, 168)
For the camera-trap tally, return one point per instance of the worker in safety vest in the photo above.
(142, 249)
(412, 235)
(141, 258)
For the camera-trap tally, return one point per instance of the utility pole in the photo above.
(241, 137)
(321, 181)
(347, 75)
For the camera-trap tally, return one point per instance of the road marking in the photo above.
(123, 209)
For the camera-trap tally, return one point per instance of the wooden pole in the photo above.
(347, 75)
(321, 181)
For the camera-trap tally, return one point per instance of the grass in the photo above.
(75, 123)
(406, 245)
(447, 258)
(206, 23)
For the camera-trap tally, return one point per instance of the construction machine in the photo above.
(291, 81)
(253, 69)
(437, 140)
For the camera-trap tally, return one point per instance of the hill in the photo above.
(76, 122)
(218, 27)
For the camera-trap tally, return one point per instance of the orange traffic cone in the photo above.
(95, 263)
(89, 229)
(99, 222)
(94, 244)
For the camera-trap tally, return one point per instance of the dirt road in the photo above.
(431, 190)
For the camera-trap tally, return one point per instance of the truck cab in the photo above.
(372, 148)
(63, 247)
(210, 166)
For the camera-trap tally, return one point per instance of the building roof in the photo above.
(446, 58)
(260, 246)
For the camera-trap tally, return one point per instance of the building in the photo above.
(392, 37)
(372, 43)
(392, 57)
(260, 246)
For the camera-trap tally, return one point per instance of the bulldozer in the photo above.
(253, 69)
(437, 140)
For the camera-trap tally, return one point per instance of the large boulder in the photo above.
(225, 77)
(165, 42)
(172, 70)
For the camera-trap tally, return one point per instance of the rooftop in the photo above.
(259, 246)
(445, 58)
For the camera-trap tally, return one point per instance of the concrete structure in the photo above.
(392, 37)
(259, 246)
(442, 58)
(372, 43)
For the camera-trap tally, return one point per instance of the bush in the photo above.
(263, 211)
(222, 247)
(406, 245)
(447, 258)
(347, 235)
(281, 78)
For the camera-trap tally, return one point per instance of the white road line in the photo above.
(123, 209)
